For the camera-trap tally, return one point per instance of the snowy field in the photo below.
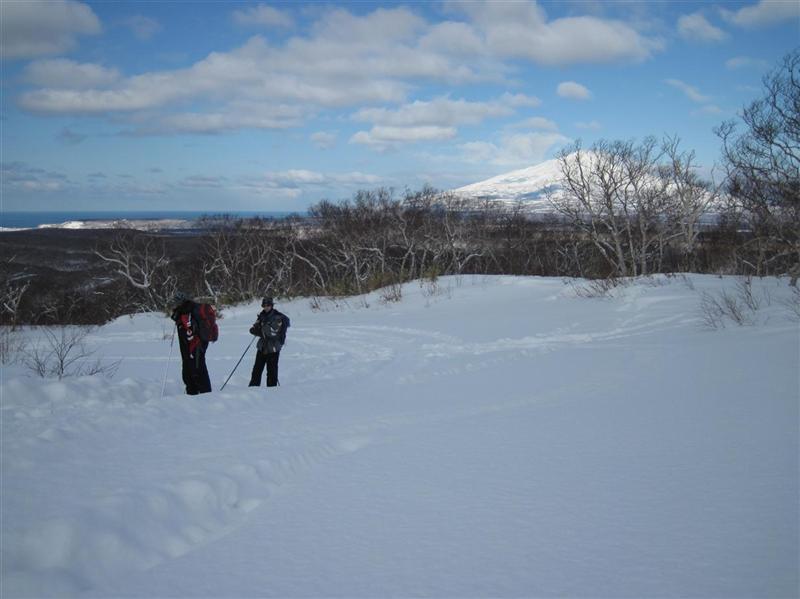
(487, 436)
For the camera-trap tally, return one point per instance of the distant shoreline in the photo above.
(99, 219)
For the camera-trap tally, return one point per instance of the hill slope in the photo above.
(490, 436)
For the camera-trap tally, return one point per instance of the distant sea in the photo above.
(30, 220)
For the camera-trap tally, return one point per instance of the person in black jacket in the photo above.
(271, 328)
(193, 349)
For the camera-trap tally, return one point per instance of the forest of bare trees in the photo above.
(625, 208)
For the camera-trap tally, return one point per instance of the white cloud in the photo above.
(144, 28)
(293, 183)
(204, 181)
(68, 74)
(263, 15)
(742, 62)
(573, 91)
(691, 92)
(478, 151)
(255, 72)
(695, 27)
(514, 150)
(433, 120)
(324, 140)
(764, 13)
(367, 62)
(444, 112)
(42, 28)
(384, 137)
(233, 117)
(520, 100)
(590, 125)
(70, 137)
(521, 30)
(344, 60)
(94, 101)
(454, 38)
(382, 26)
(539, 123)
(23, 177)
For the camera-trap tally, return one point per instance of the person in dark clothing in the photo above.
(270, 327)
(193, 349)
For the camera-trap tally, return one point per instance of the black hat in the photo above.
(179, 298)
(267, 301)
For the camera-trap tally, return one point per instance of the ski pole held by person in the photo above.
(270, 327)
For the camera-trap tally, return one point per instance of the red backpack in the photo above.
(206, 318)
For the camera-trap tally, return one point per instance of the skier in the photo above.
(193, 348)
(271, 327)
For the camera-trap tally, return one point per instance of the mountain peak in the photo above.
(529, 185)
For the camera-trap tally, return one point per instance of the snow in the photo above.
(484, 436)
(145, 224)
(534, 186)
(529, 185)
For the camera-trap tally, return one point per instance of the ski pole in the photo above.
(237, 364)
(164, 382)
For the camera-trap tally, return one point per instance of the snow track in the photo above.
(147, 515)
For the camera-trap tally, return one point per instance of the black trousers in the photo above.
(195, 373)
(271, 362)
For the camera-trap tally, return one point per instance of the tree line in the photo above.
(621, 208)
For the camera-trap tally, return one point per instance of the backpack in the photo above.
(206, 318)
(275, 327)
(274, 330)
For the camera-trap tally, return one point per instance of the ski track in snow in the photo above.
(94, 538)
(137, 517)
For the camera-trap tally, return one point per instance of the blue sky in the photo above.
(272, 106)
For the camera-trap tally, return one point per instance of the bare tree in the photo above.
(763, 171)
(244, 258)
(611, 195)
(141, 260)
(14, 282)
(688, 196)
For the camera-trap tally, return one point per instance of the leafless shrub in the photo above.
(597, 288)
(392, 293)
(430, 287)
(328, 304)
(12, 346)
(739, 307)
(712, 312)
(315, 304)
(63, 353)
(744, 288)
(736, 308)
(651, 281)
(792, 304)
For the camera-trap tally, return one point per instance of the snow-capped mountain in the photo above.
(528, 185)
(531, 186)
